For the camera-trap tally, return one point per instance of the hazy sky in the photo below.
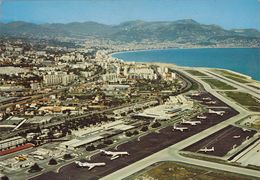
(226, 13)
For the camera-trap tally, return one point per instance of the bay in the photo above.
(242, 60)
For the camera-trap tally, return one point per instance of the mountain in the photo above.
(186, 30)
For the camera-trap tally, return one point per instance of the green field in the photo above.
(171, 170)
(245, 99)
(217, 84)
(233, 76)
(196, 73)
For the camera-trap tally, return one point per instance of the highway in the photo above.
(172, 153)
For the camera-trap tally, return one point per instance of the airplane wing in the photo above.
(90, 167)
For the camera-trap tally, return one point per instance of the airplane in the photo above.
(211, 102)
(221, 113)
(193, 123)
(89, 165)
(195, 94)
(201, 117)
(207, 149)
(236, 137)
(179, 128)
(114, 155)
(206, 99)
(244, 129)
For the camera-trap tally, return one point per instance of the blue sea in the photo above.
(242, 60)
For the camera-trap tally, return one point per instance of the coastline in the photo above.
(175, 48)
(174, 65)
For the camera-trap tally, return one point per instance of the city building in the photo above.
(58, 78)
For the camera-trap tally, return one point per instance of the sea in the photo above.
(242, 60)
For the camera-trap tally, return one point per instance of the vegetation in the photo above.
(233, 76)
(90, 148)
(101, 146)
(245, 99)
(35, 168)
(4, 178)
(217, 84)
(171, 170)
(108, 142)
(128, 133)
(52, 161)
(196, 73)
(156, 124)
(67, 156)
(144, 128)
(135, 132)
(186, 31)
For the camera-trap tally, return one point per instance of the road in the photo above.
(172, 153)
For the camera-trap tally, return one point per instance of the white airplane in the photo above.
(201, 117)
(206, 99)
(211, 102)
(179, 128)
(89, 165)
(221, 113)
(195, 94)
(236, 137)
(114, 155)
(244, 129)
(207, 149)
(193, 123)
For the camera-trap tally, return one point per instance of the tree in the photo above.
(52, 162)
(35, 168)
(67, 156)
(108, 142)
(101, 146)
(135, 132)
(4, 178)
(156, 124)
(144, 128)
(90, 148)
(128, 134)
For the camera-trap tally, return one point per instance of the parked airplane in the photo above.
(195, 94)
(193, 123)
(221, 113)
(179, 128)
(206, 99)
(89, 165)
(207, 149)
(236, 137)
(114, 155)
(211, 102)
(201, 117)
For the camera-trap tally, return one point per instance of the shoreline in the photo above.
(175, 65)
(176, 48)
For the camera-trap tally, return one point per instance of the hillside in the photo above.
(181, 31)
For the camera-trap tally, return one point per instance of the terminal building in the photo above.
(11, 142)
(172, 107)
(95, 133)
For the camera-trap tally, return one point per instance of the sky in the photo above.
(229, 14)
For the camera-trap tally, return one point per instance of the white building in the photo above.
(11, 142)
(58, 78)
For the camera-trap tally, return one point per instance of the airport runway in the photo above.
(172, 153)
(148, 145)
(151, 149)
